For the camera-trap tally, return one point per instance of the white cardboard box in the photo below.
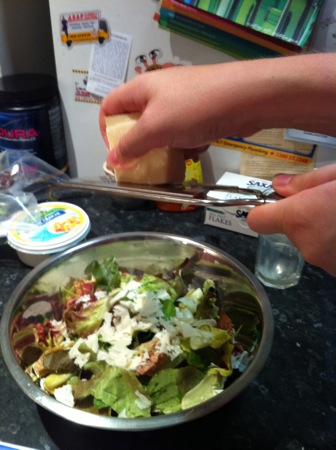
(233, 218)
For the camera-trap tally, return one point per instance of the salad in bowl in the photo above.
(127, 340)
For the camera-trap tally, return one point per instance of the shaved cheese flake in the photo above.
(83, 299)
(92, 342)
(100, 294)
(142, 401)
(168, 345)
(64, 395)
(80, 359)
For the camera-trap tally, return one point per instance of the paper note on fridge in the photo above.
(108, 64)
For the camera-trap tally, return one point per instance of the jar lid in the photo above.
(27, 87)
(60, 226)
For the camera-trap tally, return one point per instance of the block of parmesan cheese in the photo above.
(159, 166)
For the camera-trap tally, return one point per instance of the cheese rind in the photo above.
(159, 166)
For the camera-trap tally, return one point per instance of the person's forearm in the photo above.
(191, 106)
(285, 92)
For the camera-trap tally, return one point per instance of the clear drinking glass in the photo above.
(279, 263)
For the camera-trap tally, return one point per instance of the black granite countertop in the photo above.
(290, 405)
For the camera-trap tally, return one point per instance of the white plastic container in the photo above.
(60, 226)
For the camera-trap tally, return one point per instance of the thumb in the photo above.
(286, 185)
(268, 219)
(131, 146)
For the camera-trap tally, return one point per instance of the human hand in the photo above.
(307, 215)
(180, 108)
(188, 107)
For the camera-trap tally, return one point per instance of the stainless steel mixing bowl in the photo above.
(143, 251)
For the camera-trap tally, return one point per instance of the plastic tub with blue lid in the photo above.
(59, 226)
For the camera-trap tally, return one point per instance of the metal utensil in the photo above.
(188, 193)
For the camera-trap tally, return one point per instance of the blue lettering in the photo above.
(49, 217)
(259, 184)
(241, 214)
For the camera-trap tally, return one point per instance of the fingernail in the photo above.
(112, 159)
(282, 179)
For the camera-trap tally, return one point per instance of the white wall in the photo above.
(25, 37)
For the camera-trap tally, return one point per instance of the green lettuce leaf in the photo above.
(203, 357)
(86, 320)
(116, 388)
(154, 284)
(106, 273)
(57, 360)
(209, 386)
(207, 336)
(207, 308)
(27, 346)
(55, 380)
(168, 387)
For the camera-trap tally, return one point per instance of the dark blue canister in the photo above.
(31, 117)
